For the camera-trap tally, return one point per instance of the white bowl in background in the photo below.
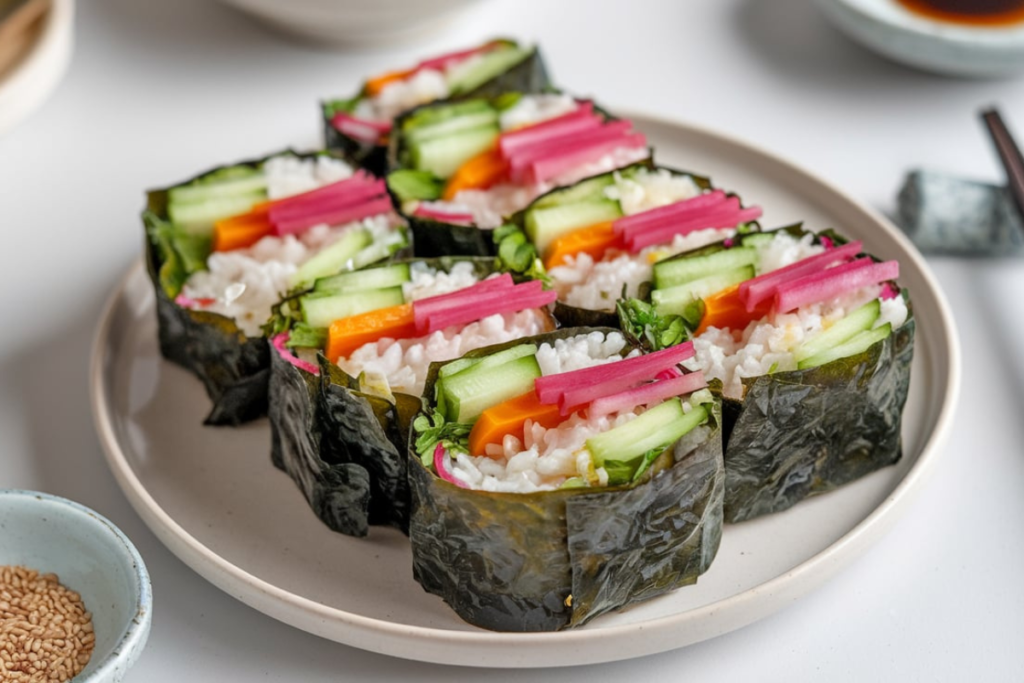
(91, 556)
(898, 33)
(353, 22)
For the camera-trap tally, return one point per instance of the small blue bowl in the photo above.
(90, 556)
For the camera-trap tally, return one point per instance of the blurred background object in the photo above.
(354, 22)
(972, 38)
(35, 48)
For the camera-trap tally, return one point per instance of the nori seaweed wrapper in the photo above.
(343, 427)
(556, 559)
(432, 238)
(800, 433)
(529, 75)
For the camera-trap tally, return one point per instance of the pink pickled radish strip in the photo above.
(618, 375)
(454, 218)
(647, 393)
(580, 119)
(335, 217)
(521, 158)
(889, 291)
(424, 307)
(356, 184)
(443, 465)
(669, 374)
(668, 222)
(665, 234)
(324, 203)
(519, 298)
(752, 292)
(562, 160)
(684, 208)
(279, 343)
(833, 282)
(442, 61)
(364, 130)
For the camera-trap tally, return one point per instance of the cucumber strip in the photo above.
(545, 225)
(379, 250)
(756, 239)
(334, 258)
(205, 191)
(466, 394)
(859, 343)
(588, 190)
(432, 116)
(362, 280)
(841, 331)
(452, 126)
(320, 310)
(678, 271)
(197, 218)
(408, 184)
(676, 299)
(489, 65)
(443, 156)
(493, 360)
(657, 428)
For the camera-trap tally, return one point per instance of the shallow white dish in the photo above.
(214, 499)
(90, 556)
(896, 32)
(34, 79)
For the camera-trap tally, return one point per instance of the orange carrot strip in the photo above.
(377, 83)
(594, 240)
(510, 417)
(348, 334)
(724, 309)
(478, 173)
(239, 232)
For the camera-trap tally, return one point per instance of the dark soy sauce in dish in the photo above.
(992, 13)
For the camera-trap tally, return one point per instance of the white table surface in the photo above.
(158, 91)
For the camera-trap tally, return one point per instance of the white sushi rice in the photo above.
(533, 109)
(403, 363)
(596, 285)
(244, 284)
(767, 345)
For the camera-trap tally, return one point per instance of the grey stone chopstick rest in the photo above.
(944, 214)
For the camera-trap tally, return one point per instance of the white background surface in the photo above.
(159, 91)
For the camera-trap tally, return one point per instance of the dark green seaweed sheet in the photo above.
(529, 75)
(806, 432)
(349, 428)
(553, 560)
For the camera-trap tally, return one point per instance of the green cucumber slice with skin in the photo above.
(679, 271)
(468, 393)
(432, 116)
(408, 184)
(487, 66)
(859, 343)
(840, 332)
(756, 239)
(362, 280)
(676, 299)
(484, 362)
(197, 218)
(333, 258)
(379, 250)
(545, 225)
(243, 184)
(588, 190)
(453, 126)
(320, 310)
(443, 156)
(659, 427)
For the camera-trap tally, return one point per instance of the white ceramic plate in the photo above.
(214, 499)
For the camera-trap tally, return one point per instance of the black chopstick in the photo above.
(1009, 154)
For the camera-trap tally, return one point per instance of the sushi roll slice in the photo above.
(223, 247)
(599, 238)
(359, 126)
(558, 478)
(458, 169)
(350, 361)
(812, 341)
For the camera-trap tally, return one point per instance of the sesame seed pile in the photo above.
(45, 632)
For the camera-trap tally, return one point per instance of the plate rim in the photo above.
(553, 648)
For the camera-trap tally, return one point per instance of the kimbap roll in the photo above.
(599, 238)
(812, 341)
(359, 126)
(560, 477)
(351, 359)
(226, 245)
(457, 169)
